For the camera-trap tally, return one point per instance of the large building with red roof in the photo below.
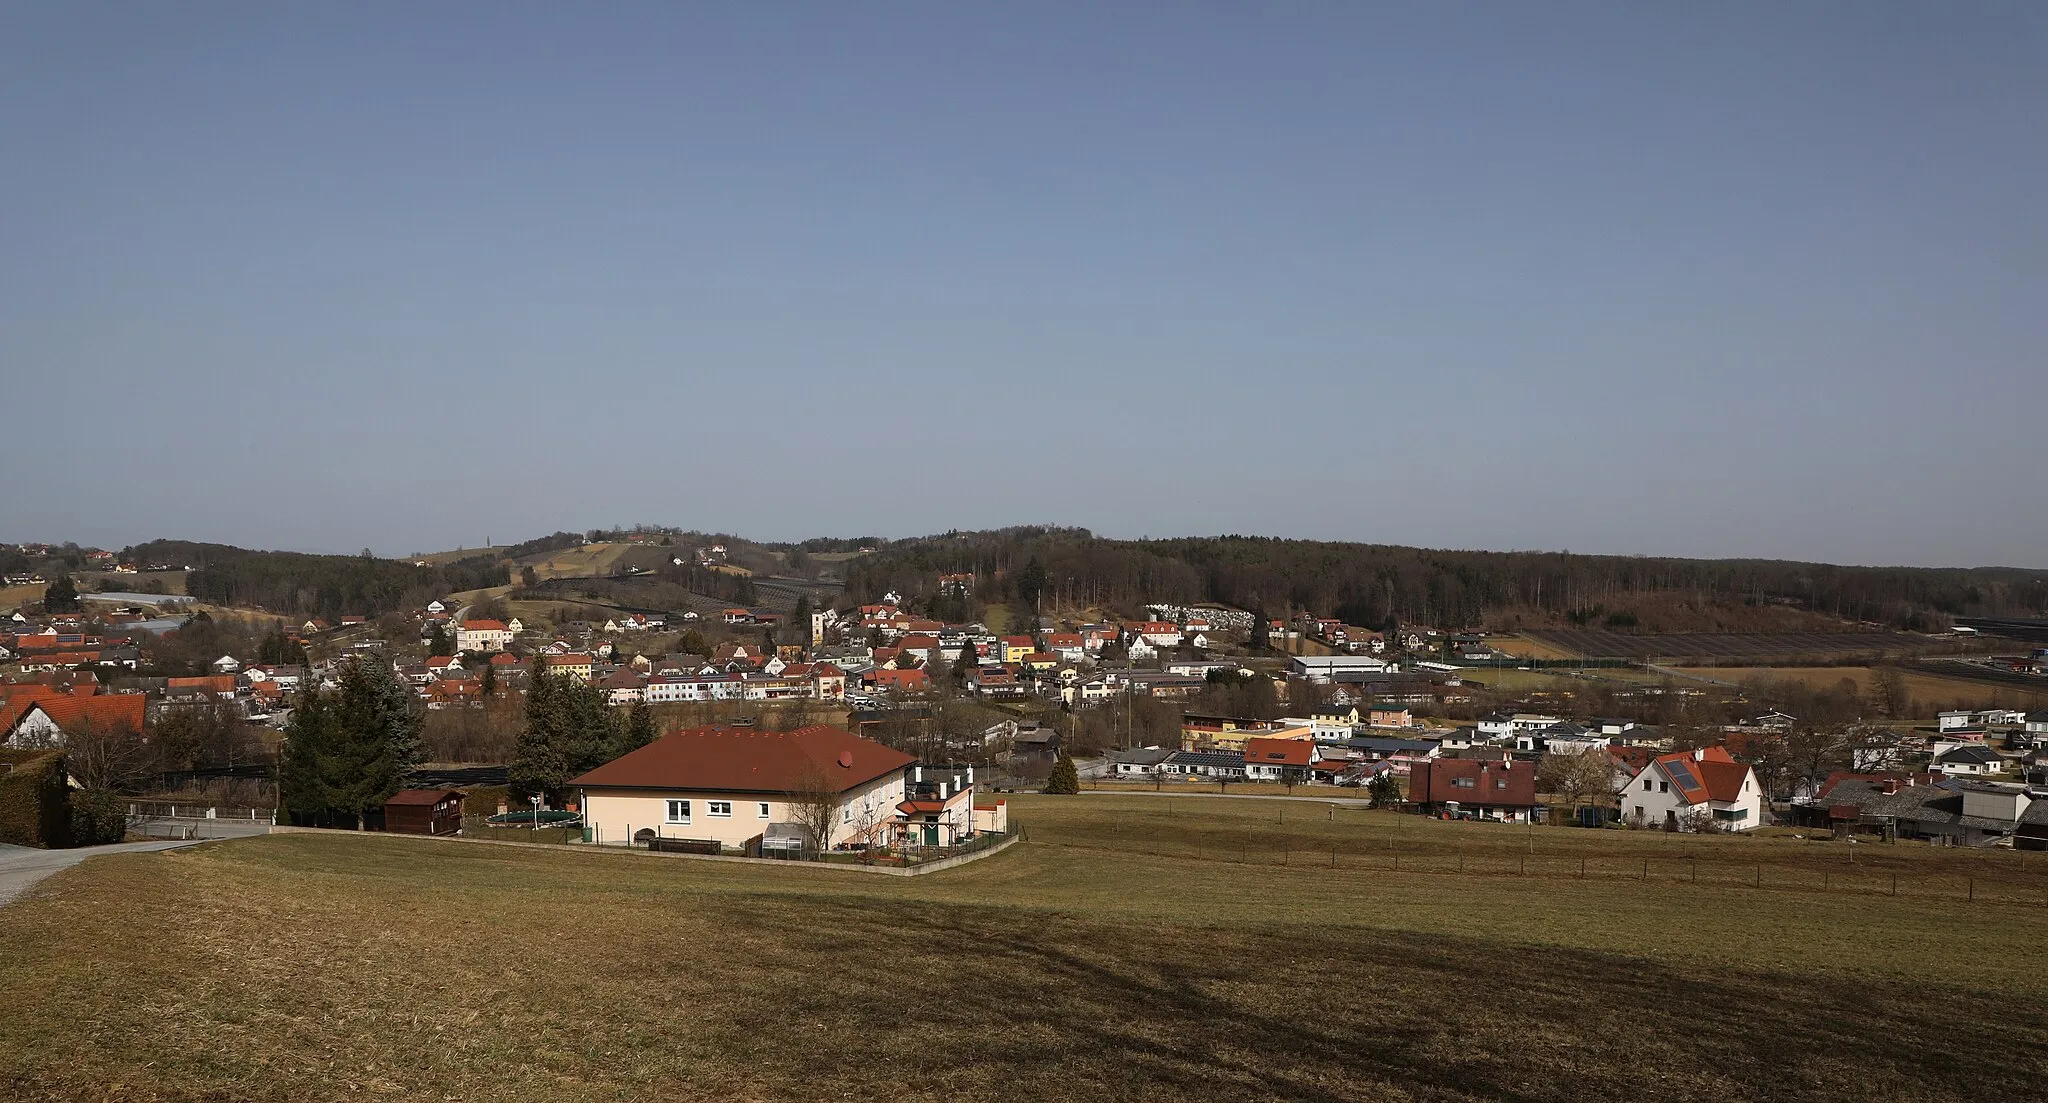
(730, 784)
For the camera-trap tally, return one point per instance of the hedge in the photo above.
(35, 805)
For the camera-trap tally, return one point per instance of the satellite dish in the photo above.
(846, 759)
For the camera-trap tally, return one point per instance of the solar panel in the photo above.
(1682, 773)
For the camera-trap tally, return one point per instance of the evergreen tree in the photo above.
(380, 742)
(1065, 780)
(61, 596)
(640, 728)
(801, 619)
(968, 662)
(538, 763)
(1383, 790)
(1262, 637)
(490, 680)
(306, 763)
(441, 644)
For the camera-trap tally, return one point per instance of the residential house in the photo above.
(484, 635)
(729, 785)
(1332, 723)
(1467, 787)
(1215, 765)
(1389, 716)
(1966, 759)
(46, 721)
(1142, 762)
(1687, 790)
(1284, 760)
(624, 687)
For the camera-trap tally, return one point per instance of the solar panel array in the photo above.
(1682, 773)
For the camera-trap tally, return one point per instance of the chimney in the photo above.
(1699, 754)
(1891, 785)
(942, 792)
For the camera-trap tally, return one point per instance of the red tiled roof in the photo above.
(1718, 775)
(567, 660)
(212, 683)
(484, 625)
(1286, 752)
(914, 807)
(114, 711)
(749, 760)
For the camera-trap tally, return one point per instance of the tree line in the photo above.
(1378, 585)
(329, 586)
(570, 729)
(347, 751)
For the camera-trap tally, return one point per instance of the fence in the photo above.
(146, 810)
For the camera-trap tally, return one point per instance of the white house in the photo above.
(1675, 789)
(227, 664)
(1960, 720)
(1966, 760)
(485, 635)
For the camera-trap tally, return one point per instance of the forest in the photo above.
(330, 586)
(1378, 585)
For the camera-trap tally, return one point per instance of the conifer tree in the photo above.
(640, 728)
(1065, 780)
(307, 760)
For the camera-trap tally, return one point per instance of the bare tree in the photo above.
(1575, 777)
(1888, 692)
(106, 757)
(815, 806)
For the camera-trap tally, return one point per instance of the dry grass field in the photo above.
(1133, 948)
(1527, 647)
(1931, 691)
(14, 596)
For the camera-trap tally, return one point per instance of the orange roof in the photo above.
(749, 760)
(566, 660)
(212, 683)
(1285, 752)
(114, 711)
(484, 625)
(1710, 773)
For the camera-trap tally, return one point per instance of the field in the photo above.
(13, 596)
(1931, 691)
(1528, 647)
(1133, 948)
(1736, 648)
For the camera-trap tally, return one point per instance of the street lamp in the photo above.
(536, 812)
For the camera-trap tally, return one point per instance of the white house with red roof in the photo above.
(485, 635)
(730, 785)
(1686, 788)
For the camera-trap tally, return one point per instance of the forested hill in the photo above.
(1376, 584)
(330, 586)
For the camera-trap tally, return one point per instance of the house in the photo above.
(1966, 760)
(1143, 762)
(1954, 721)
(484, 635)
(1067, 645)
(227, 664)
(1325, 669)
(1695, 790)
(1016, 647)
(1218, 765)
(1332, 722)
(903, 681)
(1389, 716)
(1467, 787)
(1284, 760)
(2036, 723)
(1403, 754)
(624, 687)
(937, 808)
(424, 812)
(729, 785)
(736, 616)
(1959, 813)
(46, 721)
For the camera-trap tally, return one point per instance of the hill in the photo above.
(1133, 948)
(1378, 585)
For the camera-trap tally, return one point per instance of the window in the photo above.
(1663, 786)
(1463, 783)
(846, 814)
(720, 807)
(1646, 785)
(679, 811)
(763, 806)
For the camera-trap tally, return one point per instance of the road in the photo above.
(21, 867)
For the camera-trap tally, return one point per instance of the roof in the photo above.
(427, 797)
(1141, 756)
(749, 760)
(1707, 774)
(1512, 784)
(484, 626)
(1974, 753)
(1207, 758)
(1284, 752)
(123, 711)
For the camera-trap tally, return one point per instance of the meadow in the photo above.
(1134, 947)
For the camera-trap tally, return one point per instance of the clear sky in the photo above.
(1732, 279)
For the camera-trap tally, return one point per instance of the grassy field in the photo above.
(1133, 948)
(1931, 691)
(1526, 647)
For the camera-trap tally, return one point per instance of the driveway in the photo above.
(21, 866)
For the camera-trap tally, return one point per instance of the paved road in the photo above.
(21, 867)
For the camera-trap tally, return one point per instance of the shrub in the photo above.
(97, 816)
(1065, 780)
(34, 803)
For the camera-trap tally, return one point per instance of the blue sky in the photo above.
(1746, 279)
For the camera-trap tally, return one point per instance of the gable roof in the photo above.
(1708, 774)
(1281, 752)
(114, 711)
(749, 760)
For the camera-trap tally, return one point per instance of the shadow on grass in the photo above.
(1064, 1008)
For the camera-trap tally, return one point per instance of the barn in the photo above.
(424, 812)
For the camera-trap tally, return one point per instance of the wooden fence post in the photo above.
(1646, 870)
